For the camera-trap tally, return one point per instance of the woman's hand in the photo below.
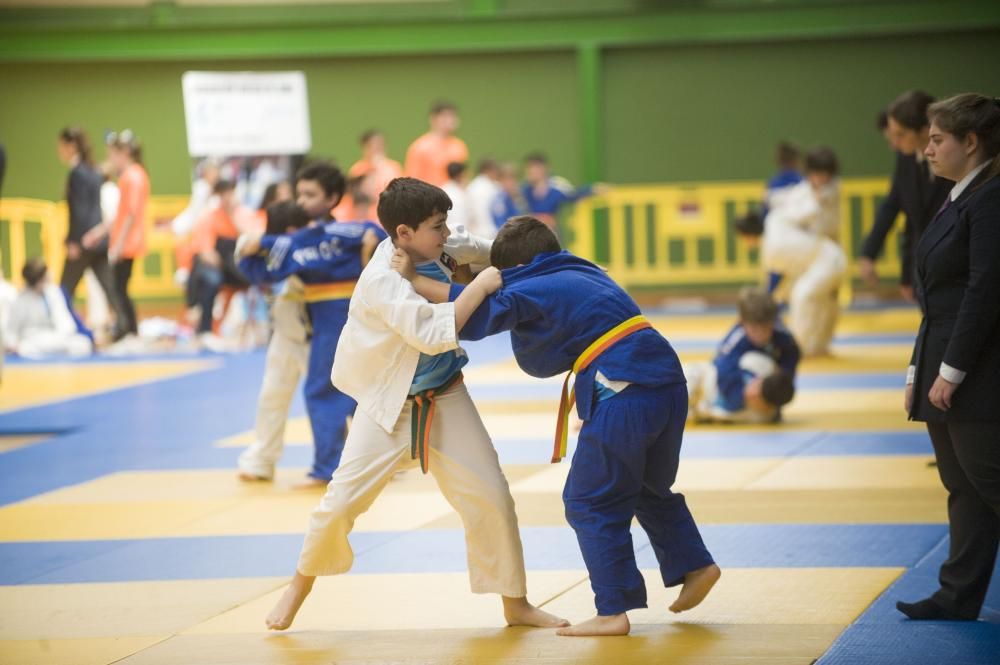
(403, 264)
(941, 393)
(73, 251)
(908, 397)
(93, 237)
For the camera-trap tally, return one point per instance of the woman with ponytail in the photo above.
(83, 198)
(953, 383)
(127, 233)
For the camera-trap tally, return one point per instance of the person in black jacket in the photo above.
(83, 197)
(915, 191)
(953, 383)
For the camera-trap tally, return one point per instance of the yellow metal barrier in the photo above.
(681, 235)
(30, 227)
(656, 236)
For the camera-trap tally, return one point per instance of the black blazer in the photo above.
(919, 198)
(83, 196)
(958, 288)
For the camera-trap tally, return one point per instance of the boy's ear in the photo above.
(404, 231)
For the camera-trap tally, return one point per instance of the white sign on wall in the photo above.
(246, 113)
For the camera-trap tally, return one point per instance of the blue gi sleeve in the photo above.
(788, 361)
(731, 387)
(498, 313)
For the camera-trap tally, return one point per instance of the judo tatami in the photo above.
(126, 537)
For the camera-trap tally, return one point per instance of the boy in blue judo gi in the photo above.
(566, 315)
(327, 258)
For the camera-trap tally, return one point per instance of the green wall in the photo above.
(624, 90)
(510, 104)
(716, 112)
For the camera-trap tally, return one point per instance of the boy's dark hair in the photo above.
(34, 271)
(223, 186)
(285, 215)
(537, 158)
(368, 136)
(788, 155)
(910, 109)
(822, 160)
(455, 170)
(757, 306)
(778, 389)
(882, 120)
(327, 175)
(520, 240)
(408, 202)
(750, 224)
(487, 164)
(442, 105)
(356, 189)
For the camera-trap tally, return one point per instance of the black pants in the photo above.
(122, 273)
(97, 261)
(206, 280)
(968, 456)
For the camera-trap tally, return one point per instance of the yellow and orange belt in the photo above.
(600, 345)
(422, 417)
(328, 291)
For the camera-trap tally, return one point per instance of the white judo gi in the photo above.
(388, 327)
(800, 243)
(286, 363)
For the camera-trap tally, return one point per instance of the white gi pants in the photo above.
(812, 303)
(285, 365)
(467, 470)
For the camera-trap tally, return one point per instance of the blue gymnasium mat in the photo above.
(883, 636)
(443, 550)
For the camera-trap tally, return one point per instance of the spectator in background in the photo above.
(202, 199)
(128, 230)
(509, 202)
(428, 157)
(882, 125)
(376, 166)
(40, 323)
(214, 241)
(481, 193)
(544, 194)
(359, 201)
(915, 190)
(455, 189)
(789, 160)
(83, 198)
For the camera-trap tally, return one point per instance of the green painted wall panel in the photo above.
(510, 105)
(716, 112)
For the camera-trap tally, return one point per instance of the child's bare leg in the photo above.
(697, 584)
(284, 611)
(614, 624)
(519, 612)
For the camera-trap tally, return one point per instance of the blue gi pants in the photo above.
(328, 408)
(625, 462)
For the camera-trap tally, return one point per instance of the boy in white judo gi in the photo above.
(800, 243)
(398, 356)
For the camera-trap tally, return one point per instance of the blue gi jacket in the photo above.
(554, 308)
(731, 378)
(554, 198)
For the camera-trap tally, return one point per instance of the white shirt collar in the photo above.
(957, 190)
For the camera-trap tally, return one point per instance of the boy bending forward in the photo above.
(565, 314)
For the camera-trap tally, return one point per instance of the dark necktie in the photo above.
(944, 206)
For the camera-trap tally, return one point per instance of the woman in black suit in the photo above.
(83, 198)
(954, 379)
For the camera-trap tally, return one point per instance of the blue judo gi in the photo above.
(628, 449)
(327, 258)
(732, 379)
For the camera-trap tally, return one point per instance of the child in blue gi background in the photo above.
(565, 313)
(327, 258)
(753, 373)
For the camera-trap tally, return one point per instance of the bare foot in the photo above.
(616, 624)
(310, 483)
(519, 612)
(284, 611)
(697, 584)
(251, 478)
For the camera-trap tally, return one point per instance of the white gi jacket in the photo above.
(389, 325)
